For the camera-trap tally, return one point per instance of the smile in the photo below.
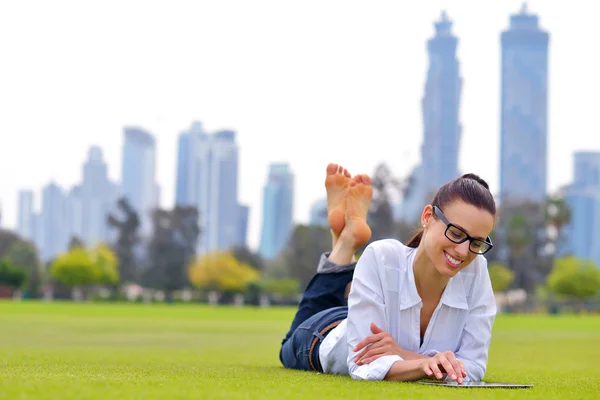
(453, 262)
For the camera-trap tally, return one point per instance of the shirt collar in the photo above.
(454, 295)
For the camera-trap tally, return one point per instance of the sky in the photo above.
(305, 82)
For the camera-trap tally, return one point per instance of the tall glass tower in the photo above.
(523, 131)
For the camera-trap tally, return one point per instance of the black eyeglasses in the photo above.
(457, 235)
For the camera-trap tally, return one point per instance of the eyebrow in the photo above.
(465, 231)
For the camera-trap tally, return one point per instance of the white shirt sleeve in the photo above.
(477, 333)
(365, 306)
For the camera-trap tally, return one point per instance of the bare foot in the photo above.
(358, 199)
(336, 184)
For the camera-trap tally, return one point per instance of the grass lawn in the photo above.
(99, 351)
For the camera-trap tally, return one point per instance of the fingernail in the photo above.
(453, 376)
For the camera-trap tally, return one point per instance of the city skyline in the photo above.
(298, 108)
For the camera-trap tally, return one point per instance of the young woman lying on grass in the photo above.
(402, 312)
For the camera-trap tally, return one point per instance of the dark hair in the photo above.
(469, 188)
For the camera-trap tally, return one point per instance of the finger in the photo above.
(374, 349)
(464, 371)
(368, 340)
(436, 371)
(456, 365)
(375, 328)
(427, 370)
(360, 355)
(448, 368)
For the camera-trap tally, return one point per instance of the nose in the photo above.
(462, 249)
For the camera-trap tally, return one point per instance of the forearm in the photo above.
(406, 370)
(409, 355)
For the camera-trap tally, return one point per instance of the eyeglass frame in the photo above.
(488, 241)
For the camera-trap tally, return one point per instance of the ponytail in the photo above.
(415, 240)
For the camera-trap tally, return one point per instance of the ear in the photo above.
(427, 214)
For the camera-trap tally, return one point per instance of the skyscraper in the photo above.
(207, 178)
(90, 203)
(441, 126)
(182, 197)
(25, 223)
(583, 198)
(523, 132)
(318, 213)
(55, 234)
(138, 175)
(278, 200)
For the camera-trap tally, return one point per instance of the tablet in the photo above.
(477, 384)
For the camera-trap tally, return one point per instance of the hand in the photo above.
(377, 345)
(444, 364)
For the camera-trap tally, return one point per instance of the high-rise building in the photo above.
(55, 234)
(441, 122)
(243, 217)
(138, 175)
(182, 196)
(75, 213)
(318, 213)
(90, 203)
(207, 178)
(278, 200)
(25, 223)
(582, 234)
(523, 131)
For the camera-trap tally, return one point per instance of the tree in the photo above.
(172, 248)
(11, 275)
(24, 254)
(7, 240)
(247, 256)
(386, 187)
(106, 263)
(282, 287)
(522, 242)
(558, 213)
(74, 268)
(500, 276)
(221, 271)
(575, 278)
(303, 251)
(127, 240)
(79, 268)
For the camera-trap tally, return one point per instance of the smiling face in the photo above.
(447, 257)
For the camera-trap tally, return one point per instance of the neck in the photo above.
(430, 283)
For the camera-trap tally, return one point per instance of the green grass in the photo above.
(99, 351)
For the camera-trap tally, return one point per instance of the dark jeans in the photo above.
(323, 305)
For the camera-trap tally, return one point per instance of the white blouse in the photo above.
(384, 292)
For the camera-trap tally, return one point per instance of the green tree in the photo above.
(282, 287)
(301, 255)
(172, 248)
(24, 254)
(522, 235)
(223, 272)
(574, 278)
(386, 188)
(127, 240)
(106, 264)
(75, 268)
(500, 276)
(11, 275)
(247, 256)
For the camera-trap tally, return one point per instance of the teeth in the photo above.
(452, 260)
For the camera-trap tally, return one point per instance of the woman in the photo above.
(424, 310)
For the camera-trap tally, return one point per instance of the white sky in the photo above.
(307, 82)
